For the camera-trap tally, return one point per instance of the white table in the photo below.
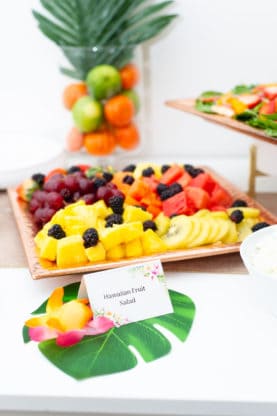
(227, 366)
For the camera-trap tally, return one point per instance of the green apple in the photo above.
(103, 81)
(87, 114)
(132, 94)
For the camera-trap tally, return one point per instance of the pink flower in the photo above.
(67, 322)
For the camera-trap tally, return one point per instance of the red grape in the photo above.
(43, 215)
(85, 186)
(39, 196)
(89, 198)
(54, 200)
(71, 183)
(34, 205)
(103, 192)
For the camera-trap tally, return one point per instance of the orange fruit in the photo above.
(74, 140)
(72, 93)
(129, 76)
(119, 110)
(127, 137)
(99, 143)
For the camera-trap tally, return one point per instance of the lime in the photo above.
(87, 114)
(133, 96)
(103, 81)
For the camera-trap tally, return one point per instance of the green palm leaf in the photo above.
(110, 353)
(73, 24)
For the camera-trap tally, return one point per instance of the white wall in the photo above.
(213, 44)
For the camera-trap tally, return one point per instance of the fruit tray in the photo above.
(44, 269)
(188, 106)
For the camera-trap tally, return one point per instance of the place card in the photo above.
(128, 294)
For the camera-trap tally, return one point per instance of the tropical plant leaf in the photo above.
(146, 31)
(82, 24)
(110, 353)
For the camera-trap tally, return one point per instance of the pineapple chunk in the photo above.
(42, 234)
(96, 253)
(116, 253)
(248, 212)
(71, 251)
(120, 233)
(152, 243)
(71, 209)
(58, 218)
(143, 165)
(75, 224)
(48, 248)
(100, 209)
(131, 230)
(110, 236)
(134, 248)
(132, 214)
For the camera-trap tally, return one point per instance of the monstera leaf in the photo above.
(109, 352)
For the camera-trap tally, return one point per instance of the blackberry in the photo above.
(148, 172)
(259, 226)
(129, 168)
(161, 187)
(189, 167)
(66, 194)
(99, 182)
(56, 231)
(164, 168)
(239, 203)
(90, 237)
(116, 204)
(171, 190)
(176, 187)
(149, 225)
(196, 172)
(237, 216)
(192, 170)
(73, 169)
(128, 179)
(113, 219)
(38, 178)
(107, 176)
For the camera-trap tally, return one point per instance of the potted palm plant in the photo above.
(99, 39)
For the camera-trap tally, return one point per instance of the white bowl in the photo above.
(22, 155)
(259, 254)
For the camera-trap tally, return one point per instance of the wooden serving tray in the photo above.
(188, 106)
(44, 269)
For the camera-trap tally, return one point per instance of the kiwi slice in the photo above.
(203, 235)
(163, 223)
(178, 232)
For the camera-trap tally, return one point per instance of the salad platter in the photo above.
(159, 224)
(250, 109)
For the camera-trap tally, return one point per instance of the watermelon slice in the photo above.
(220, 197)
(204, 181)
(199, 197)
(172, 175)
(178, 204)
